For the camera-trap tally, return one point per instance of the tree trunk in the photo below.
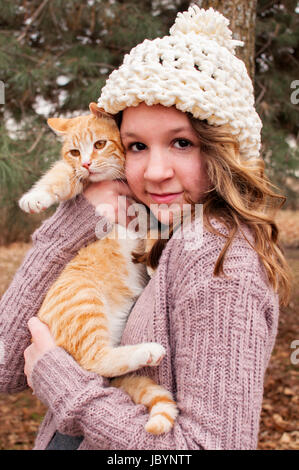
(241, 14)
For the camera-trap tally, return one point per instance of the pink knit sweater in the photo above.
(218, 333)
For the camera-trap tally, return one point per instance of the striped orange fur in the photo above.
(87, 306)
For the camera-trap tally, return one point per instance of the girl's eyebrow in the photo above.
(180, 129)
(171, 131)
(128, 134)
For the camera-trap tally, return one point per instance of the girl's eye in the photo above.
(137, 146)
(75, 152)
(182, 143)
(100, 144)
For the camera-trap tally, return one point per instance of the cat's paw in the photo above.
(157, 352)
(158, 424)
(36, 201)
(148, 354)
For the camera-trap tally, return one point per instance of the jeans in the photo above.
(64, 442)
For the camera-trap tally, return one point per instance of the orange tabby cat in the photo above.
(87, 307)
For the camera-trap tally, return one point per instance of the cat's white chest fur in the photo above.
(136, 280)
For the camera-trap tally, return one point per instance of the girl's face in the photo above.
(163, 159)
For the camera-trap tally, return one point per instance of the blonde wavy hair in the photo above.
(240, 193)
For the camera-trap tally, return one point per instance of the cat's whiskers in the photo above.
(116, 171)
(78, 177)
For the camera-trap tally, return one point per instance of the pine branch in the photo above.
(269, 41)
(261, 95)
(32, 19)
(33, 146)
(102, 64)
(54, 18)
(20, 54)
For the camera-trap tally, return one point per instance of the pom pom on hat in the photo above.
(194, 69)
(209, 23)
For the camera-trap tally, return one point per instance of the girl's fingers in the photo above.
(41, 335)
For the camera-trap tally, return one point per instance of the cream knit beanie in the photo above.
(194, 69)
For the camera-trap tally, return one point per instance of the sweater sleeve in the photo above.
(54, 244)
(219, 339)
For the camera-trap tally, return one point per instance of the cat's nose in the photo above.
(86, 165)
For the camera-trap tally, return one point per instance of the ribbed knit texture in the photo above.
(218, 334)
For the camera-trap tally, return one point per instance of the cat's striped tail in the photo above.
(159, 402)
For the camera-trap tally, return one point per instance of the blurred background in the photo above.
(55, 56)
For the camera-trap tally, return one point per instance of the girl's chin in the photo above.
(166, 215)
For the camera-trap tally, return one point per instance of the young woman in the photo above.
(190, 133)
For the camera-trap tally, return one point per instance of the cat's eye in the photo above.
(75, 152)
(100, 144)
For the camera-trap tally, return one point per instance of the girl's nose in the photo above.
(158, 168)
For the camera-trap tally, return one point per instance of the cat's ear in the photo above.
(58, 125)
(99, 112)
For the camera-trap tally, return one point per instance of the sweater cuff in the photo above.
(74, 224)
(61, 383)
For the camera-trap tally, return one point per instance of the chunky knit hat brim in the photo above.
(194, 69)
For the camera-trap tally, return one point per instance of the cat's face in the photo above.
(91, 145)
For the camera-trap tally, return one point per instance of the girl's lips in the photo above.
(164, 197)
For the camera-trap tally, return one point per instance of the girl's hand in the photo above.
(108, 198)
(42, 342)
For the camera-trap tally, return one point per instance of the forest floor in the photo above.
(22, 413)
